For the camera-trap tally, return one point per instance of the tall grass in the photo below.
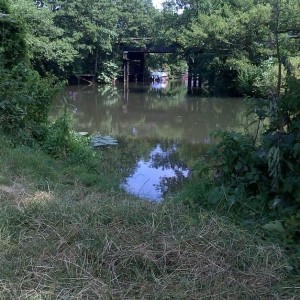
(67, 240)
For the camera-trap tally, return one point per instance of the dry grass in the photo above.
(60, 239)
(105, 246)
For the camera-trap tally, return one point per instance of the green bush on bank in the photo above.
(255, 80)
(25, 101)
(256, 181)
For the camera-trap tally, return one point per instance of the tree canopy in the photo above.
(82, 36)
(230, 40)
(223, 41)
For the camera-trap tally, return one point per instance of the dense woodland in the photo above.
(239, 47)
(234, 45)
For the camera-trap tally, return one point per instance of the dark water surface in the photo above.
(165, 129)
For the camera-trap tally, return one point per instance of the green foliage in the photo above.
(108, 71)
(13, 49)
(25, 97)
(265, 83)
(82, 36)
(257, 183)
(290, 104)
(85, 36)
(227, 42)
(49, 49)
(25, 100)
(136, 19)
(59, 139)
(258, 188)
(62, 142)
(170, 63)
(247, 75)
(235, 169)
(254, 80)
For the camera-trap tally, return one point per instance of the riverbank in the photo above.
(66, 237)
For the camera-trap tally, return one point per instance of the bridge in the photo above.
(135, 52)
(134, 57)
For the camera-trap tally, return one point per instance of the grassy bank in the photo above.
(66, 233)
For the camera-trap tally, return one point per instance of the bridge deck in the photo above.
(151, 49)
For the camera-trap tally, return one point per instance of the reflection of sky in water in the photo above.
(159, 85)
(147, 178)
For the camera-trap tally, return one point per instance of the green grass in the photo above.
(64, 237)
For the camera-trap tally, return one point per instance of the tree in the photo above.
(50, 49)
(13, 48)
(284, 22)
(25, 98)
(136, 19)
(231, 39)
(92, 27)
(82, 36)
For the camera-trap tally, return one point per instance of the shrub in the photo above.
(257, 183)
(25, 100)
(13, 49)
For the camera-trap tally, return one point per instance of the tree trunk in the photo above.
(96, 62)
(278, 53)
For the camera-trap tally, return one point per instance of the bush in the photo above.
(254, 80)
(257, 183)
(13, 49)
(265, 83)
(25, 100)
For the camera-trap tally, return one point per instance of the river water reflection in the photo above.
(173, 124)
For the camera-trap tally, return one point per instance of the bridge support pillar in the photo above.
(190, 76)
(134, 66)
(125, 67)
(195, 80)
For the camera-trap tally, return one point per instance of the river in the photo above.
(164, 129)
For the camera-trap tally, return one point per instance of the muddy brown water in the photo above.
(172, 127)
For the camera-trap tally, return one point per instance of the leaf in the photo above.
(274, 226)
(296, 149)
(239, 166)
(214, 196)
(288, 186)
